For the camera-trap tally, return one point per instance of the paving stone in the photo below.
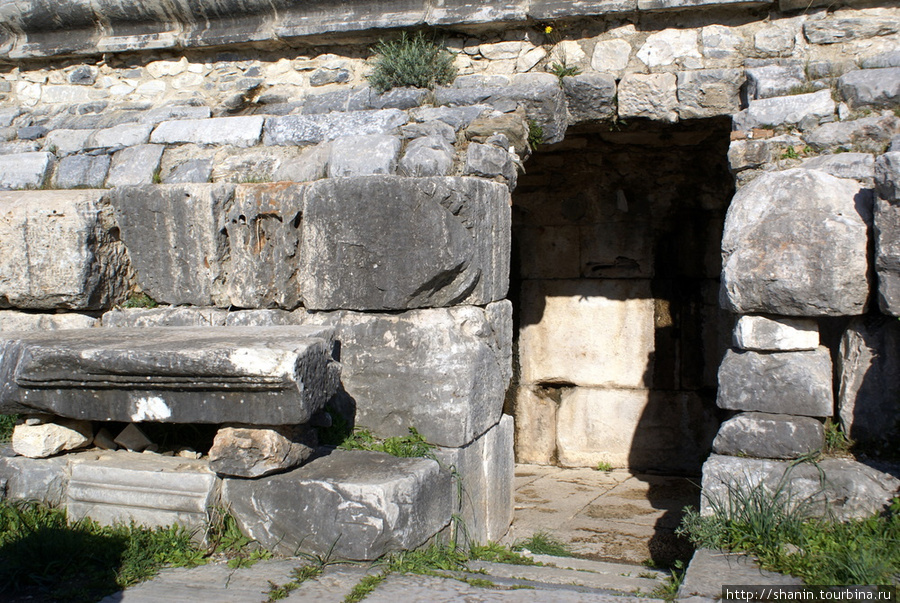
(37, 480)
(709, 570)
(363, 155)
(617, 577)
(653, 96)
(762, 334)
(12, 320)
(135, 165)
(164, 317)
(867, 134)
(773, 80)
(349, 504)
(256, 451)
(24, 170)
(786, 110)
(81, 171)
(313, 129)
(794, 383)
(769, 436)
(241, 131)
(48, 439)
(859, 166)
(590, 96)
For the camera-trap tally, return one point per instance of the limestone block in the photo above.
(262, 318)
(322, 77)
(590, 96)
(259, 164)
(311, 164)
(263, 226)
(243, 131)
(611, 56)
(514, 126)
(81, 171)
(769, 436)
(669, 46)
(363, 155)
(134, 165)
(747, 154)
(65, 142)
(786, 110)
(313, 129)
(866, 135)
(762, 334)
(350, 504)
(791, 383)
(427, 156)
(125, 135)
(194, 170)
(555, 347)
(778, 256)
(121, 487)
(254, 376)
(836, 29)
(768, 81)
(871, 87)
(24, 170)
(634, 428)
(11, 320)
(690, 4)
(560, 251)
(392, 243)
(133, 438)
(47, 439)
(257, 451)
(869, 396)
(500, 50)
(434, 129)
(536, 411)
(858, 166)
(838, 489)
(609, 250)
(887, 232)
(455, 117)
(709, 92)
(776, 39)
(175, 235)
(528, 59)
(36, 480)
(653, 96)
(486, 471)
(170, 112)
(887, 177)
(489, 161)
(164, 317)
(58, 250)
(720, 42)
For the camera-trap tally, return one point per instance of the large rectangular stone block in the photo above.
(536, 412)
(313, 129)
(887, 232)
(36, 480)
(11, 320)
(241, 131)
(393, 243)
(24, 170)
(58, 250)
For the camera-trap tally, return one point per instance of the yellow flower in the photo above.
(548, 29)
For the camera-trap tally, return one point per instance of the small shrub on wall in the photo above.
(411, 61)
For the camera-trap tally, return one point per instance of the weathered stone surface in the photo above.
(590, 96)
(774, 80)
(175, 235)
(747, 154)
(125, 135)
(194, 170)
(133, 439)
(37, 480)
(263, 226)
(834, 488)
(769, 436)
(350, 504)
(536, 412)
(778, 246)
(867, 135)
(238, 131)
(434, 128)
(24, 170)
(81, 171)
(669, 46)
(887, 177)
(135, 165)
(427, 156)
(312, 129)
(150, 490)
(391, 243)
(704, 576)
(887, 232)
(872, 87)
(489, 161)
(11, 320)
(709, 92)
(791, 383)
(486, 469)
(254, 376)
(455, 117)
(47, 439)
(611, 56)
(258, 451)
(869, 396)
(363, 155)
(311, 164)
(262, 318)
(858, 166)
(164, 317)
(786, 110)
(653, 96)
(762, 334)
(514, 126)
(554, 346)
(57, 250)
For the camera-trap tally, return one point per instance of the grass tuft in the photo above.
(408, 446)
(139, 300)
(7, 424)
(541, 543)
(411, 61)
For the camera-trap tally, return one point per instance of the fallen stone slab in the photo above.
(349, 504)
(709, 570)
(769, 436)
(762, 334)
(249, 375)
(48, 439)
(35, 480)
(257, 451)
(24, 170)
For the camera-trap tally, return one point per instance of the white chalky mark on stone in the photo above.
(151, 409)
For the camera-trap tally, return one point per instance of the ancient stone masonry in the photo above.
(325, 255)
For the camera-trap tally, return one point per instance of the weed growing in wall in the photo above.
(7, 424)
(410, 61)
(408, 446)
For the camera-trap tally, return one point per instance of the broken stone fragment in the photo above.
(133, 438)
(47, 439)
(254, 452)
(762, 334)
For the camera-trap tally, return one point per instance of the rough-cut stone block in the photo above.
(554, 346)
(535, 412)
(486, 470)
(133, 438)
(444, 371)
(833, 488)
(887, 176)
(590, 96)
(747, 154)
(350, 505)
(835, 30)
(194, 170)
(254, 452)
(887, 232)
(175, 235)
(709, 92)
(391, 243)
(428, 156)
(24, 170)
(81, 171)
(866, 135)
(786, 110)
(489, 161)
(36, 480)
(653, 96)
(262, 318)
(254, 376)
(165, 317)
(761, 334)
(869, 397)
(769, 436)
(858, 166)
(121, 487)
(58, 250)
(263, 226)
(47, 439)
(11, 320)
(237, 131)
(774, 80)
(135, 165)
(778, 247)
(313, 129)
(872, 87)
(125, 135)
(791, 383)
(363, 155)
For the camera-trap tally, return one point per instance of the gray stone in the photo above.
(837, 489)
(254, 376)
(321, 77)
(135, 165)
(653, 96)
(47, 439)
(786, 110)
(590, 96)
(350, 504)
(887, 177)
(58, 250)
(455, 117)
(436, 129)
(311, 164)
(761, 334)
(887, 232)
(778, 246)
(708, 569)
(867, 135)
(396, 98)
(392, 243)
(871, 87)
(132, 438)
(84, 75)
(869, 396)
(483, 496)
(513, 126)
(165, 317)
(792, 383)
(194, 170)
(490, 161)
(18, 147)
(261, 318)
(312, 129)
(858, 166)
(842, 29)
(363, 155)
(125, 135)
(769, 436)
(175, 235)
(65, 142)
(161, 114)
(36, 480)
(774, 80)
(31, 132)
(709, 92)
(890, 58)
(24, 170)
(747, 154)
(263, 226)
(241, 131)
(258, 451)
(11, 320)
(81, 171)
(445, 371)
(427, 156)
(120, 487)
(611, 56)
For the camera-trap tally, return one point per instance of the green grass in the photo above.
(365, 586)
(604, 466)
(562, 70)
(410, 61)
(299, 576)
(408, 446)
(836, 441)
(7, 424)
(139, 300)
(541, 543)
(535, 134)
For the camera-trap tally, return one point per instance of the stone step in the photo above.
(611, 577)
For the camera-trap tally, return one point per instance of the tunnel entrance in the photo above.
(615, 281)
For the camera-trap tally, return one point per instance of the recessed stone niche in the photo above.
(615, 278)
